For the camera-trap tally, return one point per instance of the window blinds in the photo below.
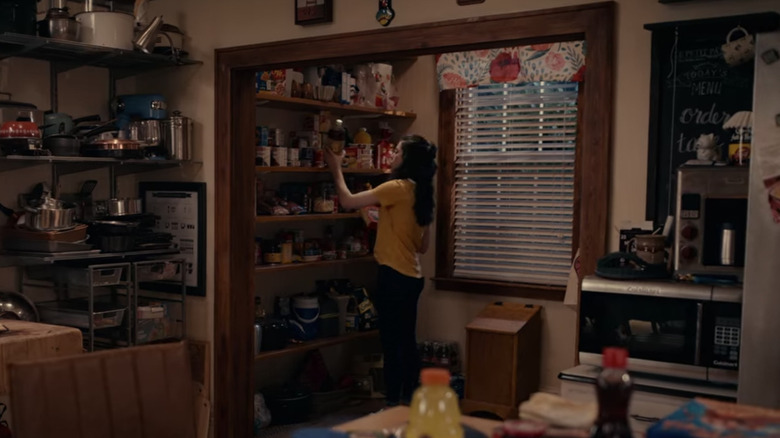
(514, 182)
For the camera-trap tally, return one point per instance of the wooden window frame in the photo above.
(445, 240)
(234, 170)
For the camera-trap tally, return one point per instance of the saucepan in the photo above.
(117, 207)
(49, 218)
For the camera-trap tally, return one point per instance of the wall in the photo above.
(235, 22)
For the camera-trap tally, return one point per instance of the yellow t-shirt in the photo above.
(399, 238)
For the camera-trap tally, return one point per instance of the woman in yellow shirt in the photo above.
(405, 214)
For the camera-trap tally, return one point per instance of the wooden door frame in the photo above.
(234, 153)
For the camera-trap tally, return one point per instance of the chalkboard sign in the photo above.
(693, 92)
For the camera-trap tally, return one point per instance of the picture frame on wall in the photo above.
(313, 12)
(180, 208)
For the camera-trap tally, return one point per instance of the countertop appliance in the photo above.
(759, 372)
(681, 330)
(710, 221)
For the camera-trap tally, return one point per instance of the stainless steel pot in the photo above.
(177, 136)
(107, 29)
(14, 305)
(49, 219)
(117, 207)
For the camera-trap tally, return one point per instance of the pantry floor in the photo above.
(353, 411)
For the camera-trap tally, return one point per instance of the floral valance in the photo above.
(538, 62)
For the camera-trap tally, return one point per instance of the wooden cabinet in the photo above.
(503, 348)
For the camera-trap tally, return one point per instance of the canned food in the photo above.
(279, 156)
(263, 156)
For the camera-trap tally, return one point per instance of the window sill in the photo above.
(532, 291)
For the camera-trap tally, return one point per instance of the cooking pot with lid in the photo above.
(107, 29)
(11, 111)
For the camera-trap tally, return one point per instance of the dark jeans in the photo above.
(396, 302)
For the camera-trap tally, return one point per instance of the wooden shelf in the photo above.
(317, 343)
(305, 265)
(278, 169)
(267, 99)
(307, 217)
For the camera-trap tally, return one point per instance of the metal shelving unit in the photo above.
(69, 54)
(8, 259)
(170, 272)
(95, 299)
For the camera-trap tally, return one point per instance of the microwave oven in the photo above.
(674, 329)
(711, 221)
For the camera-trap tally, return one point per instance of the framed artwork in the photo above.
(181, 208)
(469, 2)
(313, 11)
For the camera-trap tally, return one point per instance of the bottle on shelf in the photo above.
(328, 245)
(337, 137)
(384, 148)
(434, 411)
(613, 390)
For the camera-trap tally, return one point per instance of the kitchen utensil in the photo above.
(12, 111)
(61, 123)
(177, 136)
(112, 228)
(146, 132)
(58, 24)
(169, 40)
(18, 16)
(115, 244)
(77, 234)
(651, 247)
(62, 145)
(22, 128)
(117, 207)
(14, 305)
(146, 39)
(44, 246)
(49, 218)
(107, 29)
(114, 148)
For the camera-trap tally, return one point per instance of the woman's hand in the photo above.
(334, 160)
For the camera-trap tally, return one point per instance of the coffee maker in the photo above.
(711, 222)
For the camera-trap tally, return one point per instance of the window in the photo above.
(514, 182)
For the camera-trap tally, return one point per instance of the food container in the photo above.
(279, 156)
(177, 136)
(107, 29)
(263, 157)
(75, 313)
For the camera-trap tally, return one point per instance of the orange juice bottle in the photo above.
(434, 412)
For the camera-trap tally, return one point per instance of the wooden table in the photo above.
(396, 417)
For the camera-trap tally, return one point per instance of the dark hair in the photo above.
(419, 165)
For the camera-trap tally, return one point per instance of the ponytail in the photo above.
(419, 165)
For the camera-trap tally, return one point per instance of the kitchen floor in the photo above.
(353, 411)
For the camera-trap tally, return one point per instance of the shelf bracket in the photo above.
(112, 182)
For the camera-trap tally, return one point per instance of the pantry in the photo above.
(241, 108)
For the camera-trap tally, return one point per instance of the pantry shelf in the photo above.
(307, 217)
(277, 169)
(271, 100)
(305, 265)
(316, 344)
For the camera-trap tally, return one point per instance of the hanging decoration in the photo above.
(385, 14)
(538, 62)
